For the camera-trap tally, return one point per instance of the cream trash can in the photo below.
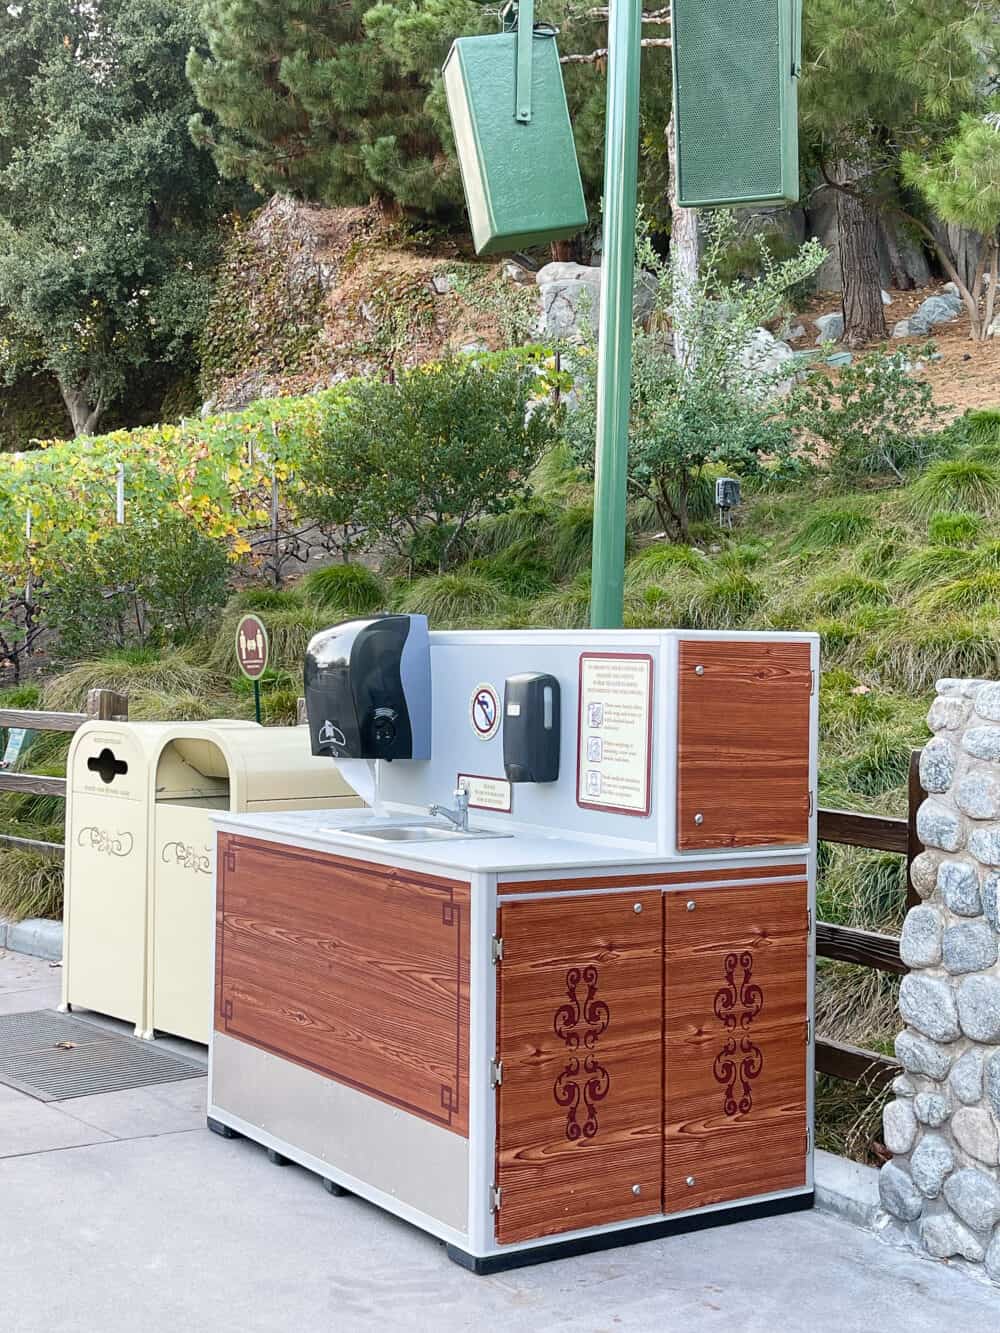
(188, 771)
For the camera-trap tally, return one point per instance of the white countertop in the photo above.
(522, 849)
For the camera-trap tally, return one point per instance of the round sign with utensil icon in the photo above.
(251, 647)
(484, 712)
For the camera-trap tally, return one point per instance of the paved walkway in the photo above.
(122, 1214)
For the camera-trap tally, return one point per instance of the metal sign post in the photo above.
(252, 649)
(614, 365)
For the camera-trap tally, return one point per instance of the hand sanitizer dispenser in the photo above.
(368, 689)
(531, 728)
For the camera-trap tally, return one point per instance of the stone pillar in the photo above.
(941, 1191)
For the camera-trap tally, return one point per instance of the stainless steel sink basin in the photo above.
(417, 832)
(428, 833)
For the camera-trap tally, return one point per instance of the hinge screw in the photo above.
(637, 908)
(699, 818)
(690, 905)
(636, 1189)
(690, 1181)
(699, 670)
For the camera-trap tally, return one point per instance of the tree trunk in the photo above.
(683, 250)
(864, 314)
(82, 413)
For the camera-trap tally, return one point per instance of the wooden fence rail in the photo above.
(103, 705)
(867, 948)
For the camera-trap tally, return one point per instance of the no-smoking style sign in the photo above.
(484, 711)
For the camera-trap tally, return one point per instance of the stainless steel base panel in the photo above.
(303, 1115)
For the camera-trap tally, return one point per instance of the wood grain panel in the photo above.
(579, 1110)
(358, 971)
(652, 879)
(738, 955)
(743, 744)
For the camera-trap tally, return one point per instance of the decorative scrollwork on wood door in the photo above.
(584, 1081)
(741, 1060)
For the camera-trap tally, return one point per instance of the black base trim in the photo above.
(277, 1159)
(333, 1188)
(609, 1240)
(223, 1131)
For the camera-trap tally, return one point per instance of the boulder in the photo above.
(830, 327)
(768, 356)
(932, 1160)
(943, 309)
(571, 299)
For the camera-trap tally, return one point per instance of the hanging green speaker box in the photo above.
(736, 66)
(514, 140)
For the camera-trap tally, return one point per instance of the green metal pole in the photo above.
(614, 366)
(256, 700)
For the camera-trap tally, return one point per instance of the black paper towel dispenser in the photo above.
(531, 728)
(368, 689)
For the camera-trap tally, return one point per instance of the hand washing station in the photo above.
(571, 1007)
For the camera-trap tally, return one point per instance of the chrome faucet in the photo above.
(459, 816)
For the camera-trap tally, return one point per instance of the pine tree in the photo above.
(306, 98)
(876, 79)
(961, 183)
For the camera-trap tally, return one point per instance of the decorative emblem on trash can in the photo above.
(740, 1061)
(584, 1081)
(101, 840)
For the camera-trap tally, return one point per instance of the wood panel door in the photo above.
(360, 972)
(742, 744)
(735, 1014)
(579, 1022)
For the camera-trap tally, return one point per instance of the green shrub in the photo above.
(966, 485)
(664, 562)
(881, 554)
(129, 672)
(933, 564)
(917, 653)
(351, 589)
(452, 600)
(264, 599)
(836, 523)
(833, 593)
(518, 571)
(134, 583)
(874, 416)
(968, 596)
(982, 430)
(567, 608)
(953, 529)
(441, 447)
(31, 884)
(569, 542)
(724, 602)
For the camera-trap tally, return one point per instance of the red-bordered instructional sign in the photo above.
(614, 744)
(252, 647)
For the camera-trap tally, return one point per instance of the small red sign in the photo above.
(251, 647)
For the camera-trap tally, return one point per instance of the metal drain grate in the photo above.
(33, 1059)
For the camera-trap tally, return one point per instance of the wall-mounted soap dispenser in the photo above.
(368, 689)
(531, 728)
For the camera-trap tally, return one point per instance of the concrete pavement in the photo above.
(122, 1214)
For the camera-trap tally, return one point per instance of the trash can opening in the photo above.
(107, 766)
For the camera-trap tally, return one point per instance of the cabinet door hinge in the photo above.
(812, 683)
(809, 1031)
(812, 803)
(227, 1010)
(809, 920)
(496, 1073)
(230, 859)
(496, 951)
(809, 1141)
(496, 1195)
